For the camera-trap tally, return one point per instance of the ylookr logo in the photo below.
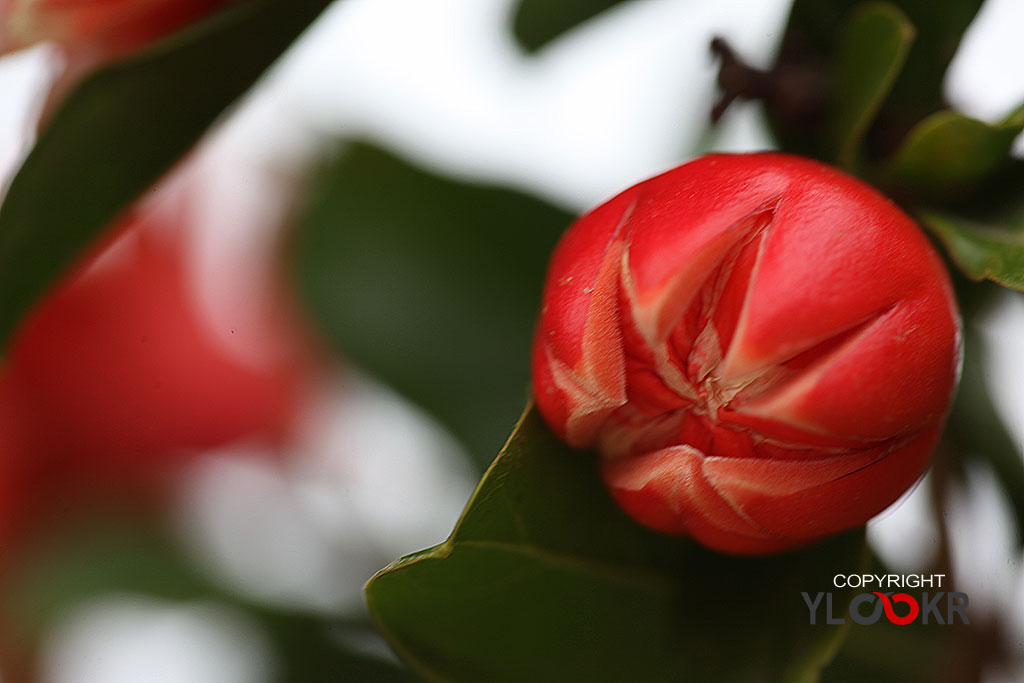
(927, 607)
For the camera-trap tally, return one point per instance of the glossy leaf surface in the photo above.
(545, 579)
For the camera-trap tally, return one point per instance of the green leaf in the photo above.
(948, 153)
(544, 579)
(809, 45)
(981, 251)
(872, 50)
(886, 653)
(430, 284)
(88, 560)
(538, 22)
(120, 130)
(919, 90)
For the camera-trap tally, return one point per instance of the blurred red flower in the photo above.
(101, 28)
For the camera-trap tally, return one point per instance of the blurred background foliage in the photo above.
(432, 293)
(426, 279)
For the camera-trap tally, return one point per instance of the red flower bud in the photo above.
(103, 27)
(762, 349)
(117, 373)
(93, 32)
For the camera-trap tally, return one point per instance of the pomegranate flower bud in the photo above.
(762, 349)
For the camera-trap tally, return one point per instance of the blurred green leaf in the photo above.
(873, 46)
(981, 251)
(120, 130)
(538, 22)
(310, 651)
(948, 153)
(886, 653)
(92, 560)
(811, 38)
(998, 202)
(919, 90)
(544, 579)
(432, 285)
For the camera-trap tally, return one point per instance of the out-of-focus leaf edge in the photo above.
(536, 23)
(439, 551)
(851, 119)
(918, 165)
(96, 155)
(811, 667)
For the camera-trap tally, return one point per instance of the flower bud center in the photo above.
(690, 383)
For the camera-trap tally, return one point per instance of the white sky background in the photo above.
(605, 106)
(611, 103)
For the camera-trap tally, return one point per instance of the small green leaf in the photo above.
(948, 153)
(872, 50)
(919, 90)
(538, 22)
(544, 579)
(430, 284)
(981, 251)
(120, 130)
(814, 43)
